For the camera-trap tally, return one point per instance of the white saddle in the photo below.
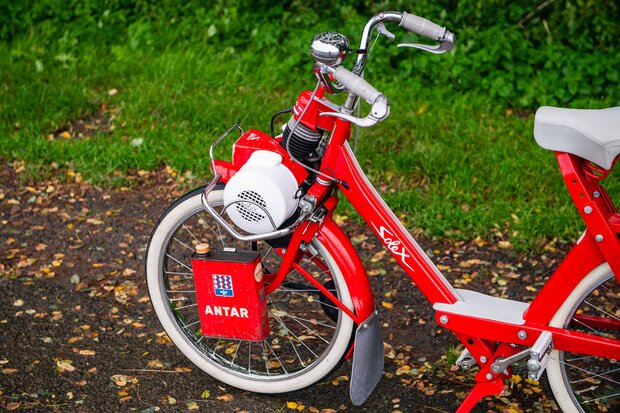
(593, 134)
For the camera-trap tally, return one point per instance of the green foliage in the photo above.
(525, 54)
(453, 157)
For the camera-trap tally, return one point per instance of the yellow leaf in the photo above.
(226, 397)
(387, 304)
(504, 244)
(378, 256)
(65, 365)
(291, 405)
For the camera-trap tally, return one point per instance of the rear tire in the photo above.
(304, 344)
(583, 383)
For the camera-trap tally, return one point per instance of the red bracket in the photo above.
(614, 221)
(480, 390)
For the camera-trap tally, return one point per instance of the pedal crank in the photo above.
(465, 360)
(539, 355)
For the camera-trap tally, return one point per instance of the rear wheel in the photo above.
(306, 342)
(582, 383)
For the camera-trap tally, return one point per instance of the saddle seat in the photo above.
(592, 134)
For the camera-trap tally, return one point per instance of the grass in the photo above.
(456, 165)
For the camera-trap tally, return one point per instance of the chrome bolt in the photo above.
(489, 376)
(283, 250)
(522, 334)
(596, 194)
(483, 359)
(588, 209)
(365, 325)
(496, 368)
(599, 238)
(443, 319)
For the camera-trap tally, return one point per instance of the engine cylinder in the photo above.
(302, 143)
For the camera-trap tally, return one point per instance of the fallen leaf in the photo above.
(66, 365)
(504, 244)
(225, 397)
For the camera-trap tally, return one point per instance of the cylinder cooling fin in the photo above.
(303, 141)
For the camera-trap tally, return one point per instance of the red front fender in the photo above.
(338, 244)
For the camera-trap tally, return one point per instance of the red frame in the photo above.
(482, 337)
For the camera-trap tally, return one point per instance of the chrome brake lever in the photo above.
(379, 111)
(385, 32)
(445, 45)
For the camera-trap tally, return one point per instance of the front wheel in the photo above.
(583, 383)
(305, 344)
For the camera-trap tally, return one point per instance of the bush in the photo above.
(562, 52)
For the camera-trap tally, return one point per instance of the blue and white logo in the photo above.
(222, 285)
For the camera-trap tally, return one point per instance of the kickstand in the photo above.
(480, 390)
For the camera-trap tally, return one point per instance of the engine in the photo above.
(263, 188)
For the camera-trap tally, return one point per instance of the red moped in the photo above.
(280, 297)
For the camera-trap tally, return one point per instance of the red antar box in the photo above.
(231, 295)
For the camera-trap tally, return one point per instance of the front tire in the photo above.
(304, 345)
(582, 383)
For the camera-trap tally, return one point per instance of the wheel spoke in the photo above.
(183, 244)
(589, 383)
(186, 306)
(179, 273)
(177, 261)
(305, 337)
(602, 398)
(603, 311)
(220, 237)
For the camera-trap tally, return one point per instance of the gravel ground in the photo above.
(79, 334)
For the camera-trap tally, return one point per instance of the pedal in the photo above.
(539, 355)
(465, 360)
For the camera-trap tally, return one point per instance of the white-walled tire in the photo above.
(583, 383)
(305, 344)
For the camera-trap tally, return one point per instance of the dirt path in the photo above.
(79, 334)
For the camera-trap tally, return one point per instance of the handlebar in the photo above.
(327, 49)
(359, 87)
(410, 22)
(422, 26)
(356, 85)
